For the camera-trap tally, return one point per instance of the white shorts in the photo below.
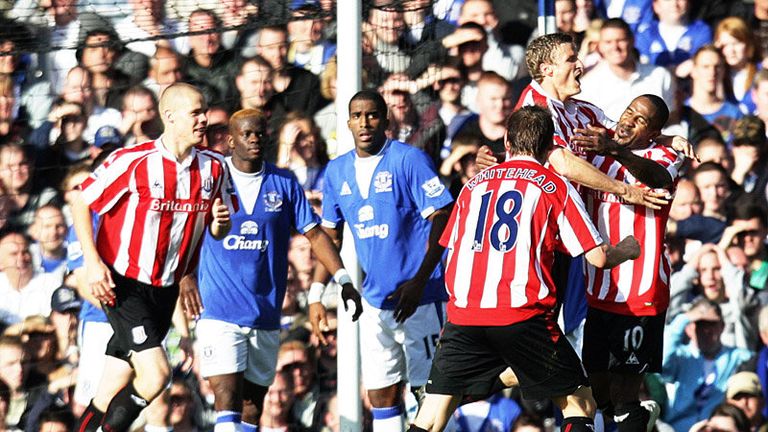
(392, 352)
(92, 338)
(227, 348)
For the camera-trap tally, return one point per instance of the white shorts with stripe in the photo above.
(393, 352)
(227, 348)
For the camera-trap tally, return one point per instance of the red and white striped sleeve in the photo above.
(577, 232)
(110, 181)
(666, 157)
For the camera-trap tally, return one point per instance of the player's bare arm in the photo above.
(409, 293)
(607, 256)
(98, 276)
(326, 252)
(582, 172)
(680, 144)
(189, 296)
(596, 139)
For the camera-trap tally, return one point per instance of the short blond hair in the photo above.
(542, 50)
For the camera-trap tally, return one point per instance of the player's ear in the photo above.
(546, 69)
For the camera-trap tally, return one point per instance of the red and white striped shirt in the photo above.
(567, 115)
(639, 287)
(154, 210)
(503, 231)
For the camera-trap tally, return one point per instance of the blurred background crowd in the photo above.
(79, 79)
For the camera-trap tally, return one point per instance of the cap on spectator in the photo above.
(107, 135)
(65, 299)
(31, 324)
(304, 5)
(709, 310)
(745, 383)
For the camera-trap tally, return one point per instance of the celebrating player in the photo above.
(623, 336)
(504, 229)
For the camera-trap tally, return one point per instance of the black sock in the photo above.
(123, 410)
(578, 424)
(90, 420)
(415, 428)
(631, 416)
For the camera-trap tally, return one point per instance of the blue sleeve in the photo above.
(427, 191)
(331, 212)
(673, 340)
(701, 36)
(643, 42)
(303, 216)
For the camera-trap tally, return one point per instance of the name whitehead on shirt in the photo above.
(513, 173)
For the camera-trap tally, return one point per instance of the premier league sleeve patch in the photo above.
(433, 187)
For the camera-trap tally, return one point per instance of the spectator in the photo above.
(308, 49)
(448, 87)
(217, 132)
(686, 202)
(141, 122)
(326, 117)
(24, 388)
(27, 192)
(146, 27)
(98, 54)
(474, 44)
(671, 39)
(735, 40)
(711, 180)
(78, 88)
(493, 105)
(56, 421)
(294, 360)
(65, 306)
(710, 96)
(49, 232)
(24, 291)
(506, 60)
(296, 89)
(183, 415)
(637, 13)
(496, 413)
(302, 259)
(745, 392)
(254, 82)
(276, 415)
(209, 64)
(69, 146)
(407, 125)
(725, 417)
(750, 150)
(757, 17)
(618, 76)
(165, 68)
(698, 371)
(528, 423)
(302, 150)
(13, 128)
(713, 149)
(460, 165)
(710, 274)
(748, 231)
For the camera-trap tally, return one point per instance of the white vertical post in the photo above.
(349, 15)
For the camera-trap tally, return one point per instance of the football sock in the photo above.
(123, 410)
(228, 421)
(388, 419)
(90, 420)
(578, 424)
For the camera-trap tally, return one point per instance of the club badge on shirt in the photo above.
(273, 201)
(383, 182)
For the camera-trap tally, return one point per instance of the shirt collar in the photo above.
(166, 153)
(536, 86)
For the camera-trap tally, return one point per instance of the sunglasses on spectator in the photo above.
(449, 81)
(179, 399)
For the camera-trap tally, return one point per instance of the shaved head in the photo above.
(176, 96)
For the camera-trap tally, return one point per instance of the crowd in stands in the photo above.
(79, 80)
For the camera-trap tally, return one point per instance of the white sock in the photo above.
(228, 421)
(388, 419)
(247, 427)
